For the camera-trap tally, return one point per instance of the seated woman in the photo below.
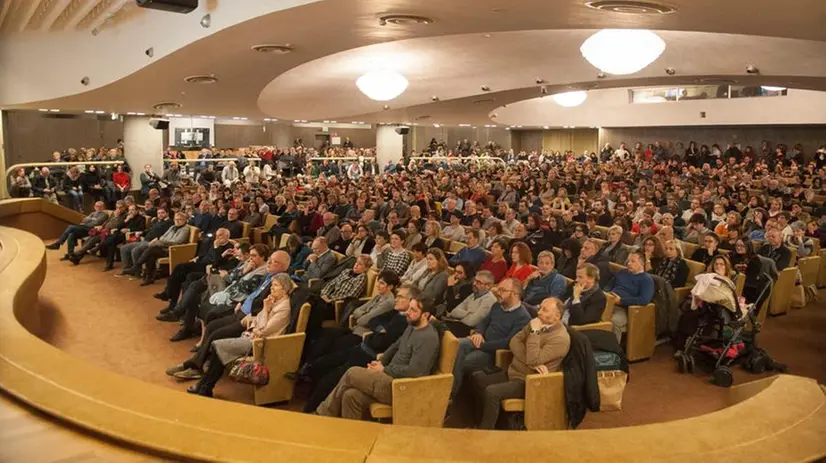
(459, 287)
(333, 339)
(746, 261)
(652, 249)
(494, 232)
(496, 263)
(433, 233)
(362, 243)
(434, 282)
(396, 258)
(98, 234)
(378, 253)
(672, 267)
(418, 265)
(298, 253)
(414, 236)
(615, 250)
(569, 258)
(522, 259)
(253, 217)
(705, 254)
(273, 320)
(798, 240)
(134, 222)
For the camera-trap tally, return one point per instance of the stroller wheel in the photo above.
(758, 364)
(690, 364)
(723, 376)
(682, 363)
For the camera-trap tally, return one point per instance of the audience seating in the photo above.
(694, 268)
(641, 335)
(422, 401)
(369, 291)
(809, 268)
(544, 403)
(688, 248)
(281, 354)
(604, 322)
(821, 274)
(180, 253)
(261, 234)
(781, 296)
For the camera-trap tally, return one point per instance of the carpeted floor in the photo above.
(111, 322)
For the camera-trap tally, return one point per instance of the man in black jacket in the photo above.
(130, 252)
(325, 372)
(215, 256)
(589, 254)
(587, 301)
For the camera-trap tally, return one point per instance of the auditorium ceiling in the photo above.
(467, 61)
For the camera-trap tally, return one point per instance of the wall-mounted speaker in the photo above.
(402, 130)
(159, 124)
(173, 6)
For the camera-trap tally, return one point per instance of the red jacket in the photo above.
(121, 179)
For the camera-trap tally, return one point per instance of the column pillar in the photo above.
(5, 184)
(142, 145)
(389, 145)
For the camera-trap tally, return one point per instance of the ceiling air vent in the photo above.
(167, 105)
(630, 7)
(421, 118)
(484, 100)
(404, 20)
(201, 79)
(276, 49)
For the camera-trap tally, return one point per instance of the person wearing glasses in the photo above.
(465, 316)
(506, 317)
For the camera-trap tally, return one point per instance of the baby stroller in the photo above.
(722, 338)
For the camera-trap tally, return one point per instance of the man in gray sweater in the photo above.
(76, 232)
(474, 308)
(413, 355)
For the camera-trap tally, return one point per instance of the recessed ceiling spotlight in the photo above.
(487, 36)
(464, 125)
(434, 98)
(539, 81)
(386, 107)
(167, 105)
(507, 128)
(100, 112)
(273, 48)
(752, 69)
(131, 114)
(201, 79)
(333, 122)
(142, 114)
(43, 110)
(404, 20)
(545, 127)
(630, 7)
(485, 88)
(600, 75)
(670, 71)
(494, 115)
(89, 111)
(325, 122)
(206, 21)
(436, 125)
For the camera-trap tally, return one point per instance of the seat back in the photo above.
(688, 248)
(615, 267)
(694, 268)
(455, 246)
(194, 234)
(269, 221)
(793, 260)
(809, 268)
(303, 318)
(284, 238)
(610, 302)
(246, 230)
(447, 353)
(372, 287)
(339, 257)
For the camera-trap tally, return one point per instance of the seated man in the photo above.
(325, 372)
(539, 347)
(320, 262)
(98, 234)
(214, 256)
(159, 247)
(75, 232)
(632, 286)
(587, 301)
(472, 253)
(473, 308)
(131, 252)
(545, 282)
(454, 231)
(413, 355)
(495, 331)
(775, 250)
(349, 284)
(589, 254)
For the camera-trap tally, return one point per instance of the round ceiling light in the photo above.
(275, 49)
(630, 7)
(167, 105)
(382, 85)
(404, 20)
(201, 79)
(622, 51)
(769, 88)
(570, 99)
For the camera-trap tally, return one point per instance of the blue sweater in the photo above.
(550, 285)
(499, 326)
(632, 289)
(474, 256)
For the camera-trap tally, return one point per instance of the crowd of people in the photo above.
(501, 256)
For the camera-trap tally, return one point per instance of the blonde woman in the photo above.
(273, 320)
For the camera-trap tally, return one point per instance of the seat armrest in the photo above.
(281, 354)
(503, 358)
(545, 402)
(421, 401)
(180, 253)
(602, 326)
(682, 294)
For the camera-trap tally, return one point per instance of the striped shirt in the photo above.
(396, 261)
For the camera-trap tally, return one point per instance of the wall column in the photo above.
(142, 145)
(4, 186)
(389, 145)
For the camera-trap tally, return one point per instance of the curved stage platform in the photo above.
(780, 418)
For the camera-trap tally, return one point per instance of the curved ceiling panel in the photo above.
(39, 70)
(454, 67)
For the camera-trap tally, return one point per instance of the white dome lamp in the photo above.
(622, 51)
(570, 99)
(382, 85)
